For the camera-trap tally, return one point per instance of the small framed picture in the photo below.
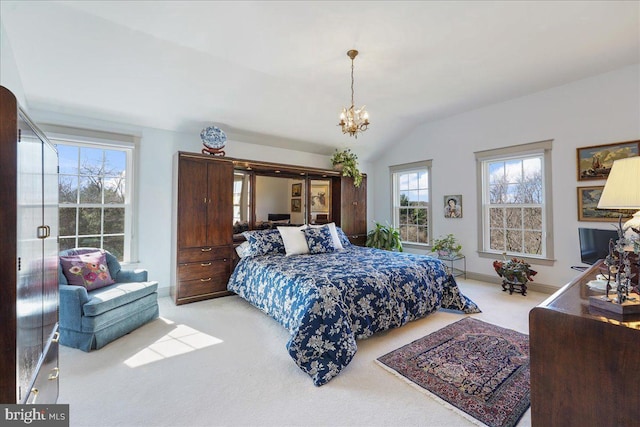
(588, 198)
(453, 206)
(296, 205)
(320, 198)
(595, 162)
(296, 190)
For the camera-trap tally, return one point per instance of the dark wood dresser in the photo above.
(585, 364)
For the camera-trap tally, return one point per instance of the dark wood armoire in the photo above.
(28, 259)
(353, 209)
(202, 226)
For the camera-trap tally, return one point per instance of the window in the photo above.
(95, 192)
(411, 186)
(516, 200)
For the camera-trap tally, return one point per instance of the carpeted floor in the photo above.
(222, 362)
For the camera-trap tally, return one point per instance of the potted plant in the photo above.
(384, 237)
(347, 162)
(514, 270)
(446, 246)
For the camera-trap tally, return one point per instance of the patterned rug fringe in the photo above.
(433, 396)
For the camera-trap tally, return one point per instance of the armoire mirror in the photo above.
(266, 197)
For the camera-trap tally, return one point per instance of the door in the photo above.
(192, 203)
(220, 203)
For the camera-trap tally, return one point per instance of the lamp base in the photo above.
(630, 306)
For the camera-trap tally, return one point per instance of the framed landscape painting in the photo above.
(595, 162)
(588, 198)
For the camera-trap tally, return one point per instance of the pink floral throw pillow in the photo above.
(88, 270)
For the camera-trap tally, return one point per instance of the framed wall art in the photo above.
(296, 190)
(453, 206)
(320, 198)
(588, 198)
(296, 205)
(595, 162)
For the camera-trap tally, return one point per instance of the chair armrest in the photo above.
(127, 276)
(72, 299)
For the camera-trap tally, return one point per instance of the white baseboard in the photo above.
(533, 286)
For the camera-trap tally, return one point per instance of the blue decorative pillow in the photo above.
(319, 240)
(343, 237)
(263, 242)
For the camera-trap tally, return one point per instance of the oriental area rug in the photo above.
(474, 366)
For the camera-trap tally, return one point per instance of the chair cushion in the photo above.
(110, 297)
(127, 316)
(88, 269)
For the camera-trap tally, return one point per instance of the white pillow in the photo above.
(294, 241)
(334, 234)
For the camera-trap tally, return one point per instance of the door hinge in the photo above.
(19, 263)
(19, 135)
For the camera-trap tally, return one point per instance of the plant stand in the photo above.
(512, 286)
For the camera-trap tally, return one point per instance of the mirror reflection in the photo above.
(279, 200)
(241, 198)
(320, 201)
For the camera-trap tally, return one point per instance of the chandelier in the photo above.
(352, 120)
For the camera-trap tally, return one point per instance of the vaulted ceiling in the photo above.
(277, 73)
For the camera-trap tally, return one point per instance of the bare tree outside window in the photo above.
(412, 205)
(92, 196)
(515, 205)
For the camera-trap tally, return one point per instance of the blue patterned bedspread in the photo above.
(327, 301)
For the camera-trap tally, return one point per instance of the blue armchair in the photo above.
(91, 319)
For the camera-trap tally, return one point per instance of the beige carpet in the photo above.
(222, 362)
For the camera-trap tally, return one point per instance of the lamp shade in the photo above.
(622, 189)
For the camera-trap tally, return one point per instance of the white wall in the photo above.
(598, 110)
(9, 76)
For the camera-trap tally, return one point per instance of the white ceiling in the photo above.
(276, 72)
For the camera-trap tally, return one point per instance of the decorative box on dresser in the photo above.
(353, 209)
(585, 363)
(28, 259)
(202, 227)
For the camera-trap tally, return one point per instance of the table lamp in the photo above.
(622, 191)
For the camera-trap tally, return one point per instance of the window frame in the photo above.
(106, 140)
(424, 165)
(540, 149)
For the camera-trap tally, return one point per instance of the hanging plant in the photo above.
(347, 162)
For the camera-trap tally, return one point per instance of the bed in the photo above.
(329, 298)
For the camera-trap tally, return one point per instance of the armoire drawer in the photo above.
(204, 270)
(205, 253)
(202, 287)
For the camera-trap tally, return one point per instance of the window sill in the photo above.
(530, 260)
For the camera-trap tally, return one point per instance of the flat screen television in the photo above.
(594, 244)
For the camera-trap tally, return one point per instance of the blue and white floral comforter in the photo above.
(327, 301)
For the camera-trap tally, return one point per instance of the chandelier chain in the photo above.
(352, 103)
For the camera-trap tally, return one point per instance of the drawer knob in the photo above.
(206, 249)
(206, 280)
(205, 264)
